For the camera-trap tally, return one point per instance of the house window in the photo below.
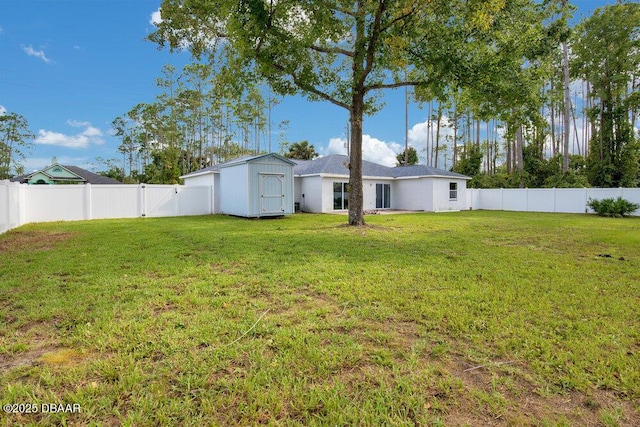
(340, 195)
(383, 196)
(453, 191)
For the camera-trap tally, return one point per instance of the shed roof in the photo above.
(249, 159)
(237, 160)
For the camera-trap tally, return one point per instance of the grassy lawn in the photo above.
(470, 318)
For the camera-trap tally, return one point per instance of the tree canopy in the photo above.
(15, 138)
(607, 52)
(412, 157)
(345, 52)
(301, 150)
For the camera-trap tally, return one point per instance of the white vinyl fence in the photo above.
(22, 204)
(567, 200)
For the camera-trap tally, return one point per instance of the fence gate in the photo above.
(160, 200)
(271, 193)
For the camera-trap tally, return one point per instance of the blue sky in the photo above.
(71, 66)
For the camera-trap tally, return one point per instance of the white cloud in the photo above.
(337, 146)
(78, 123)
(426, 131)
(29, 50)
(89, 136)
(32, 164)
(373, 149)
(155, 18)
(3, 110)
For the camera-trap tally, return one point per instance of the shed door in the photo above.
(271, 193)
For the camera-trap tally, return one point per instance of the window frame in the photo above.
(384, 189)
(344, 195)
(453, 191)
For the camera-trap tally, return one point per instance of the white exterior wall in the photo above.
(216, 208)
(414, 194)
(441, 200)
(234, 184)
(204, 179)
(263, 167)
(327, 192)
(312, 188)
(369, 192)
(417, 194)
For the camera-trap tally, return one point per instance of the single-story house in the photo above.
(321, 186)
(249, 186)
(59, 174)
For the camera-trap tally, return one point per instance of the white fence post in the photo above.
(5, 214)
(586, 200)
(87, 201)
(142, 208)
(176, 200)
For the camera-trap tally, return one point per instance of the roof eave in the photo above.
(194, 174)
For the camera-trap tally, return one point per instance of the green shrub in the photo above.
(610, 207)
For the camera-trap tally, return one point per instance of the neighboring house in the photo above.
(321, 185)
(59, 174)
(249, 186)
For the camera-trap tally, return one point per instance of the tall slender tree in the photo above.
(15, 139)
(345, 52)
(607, 54)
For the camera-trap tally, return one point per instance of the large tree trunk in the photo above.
(356, 200)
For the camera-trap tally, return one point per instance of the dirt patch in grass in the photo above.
(499, 393)
(43, 354)
(33, 240)
(29, 358)
(227, 268)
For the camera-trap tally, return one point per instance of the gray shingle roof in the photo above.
(424, 170)
(336, 164)
(89, 177)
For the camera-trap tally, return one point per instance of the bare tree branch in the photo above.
(310, 88)
(394, 85)
(332, 50)
(373, 42)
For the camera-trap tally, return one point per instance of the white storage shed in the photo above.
(249, 186)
